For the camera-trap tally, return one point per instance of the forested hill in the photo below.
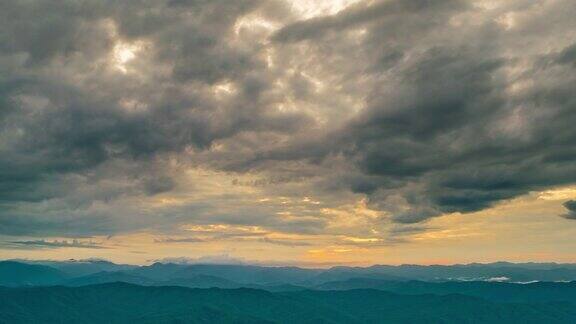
(122, 303)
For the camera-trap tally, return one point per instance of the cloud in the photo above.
(125, 117)
(43, 244)
(159, 185)
(444, 128)
(570, 206)
(180, 240)
(363, 13)
(227, 233)
(284, 242)
(119, 126)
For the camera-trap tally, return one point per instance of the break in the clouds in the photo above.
(123, 116)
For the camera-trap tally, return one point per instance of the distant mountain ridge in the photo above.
(78, 273)
(80, 267)
(94, 291)
(22, 274)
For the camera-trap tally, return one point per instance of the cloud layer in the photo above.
(157, 116)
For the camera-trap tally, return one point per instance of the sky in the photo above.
(288, 132)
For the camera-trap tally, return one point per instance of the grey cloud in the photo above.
(570, 206)
(441, 132)
(568, 55)
(361, 14)
(55, 123)
(43, 244)
(425, 107)
(159, 185)
(65, 109)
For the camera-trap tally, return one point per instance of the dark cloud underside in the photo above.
(424, 107)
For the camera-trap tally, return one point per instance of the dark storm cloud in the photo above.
(570, 206)
(425, 107)
(53, 123)
(444, 134)
(66, 109)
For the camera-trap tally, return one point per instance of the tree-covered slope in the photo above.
(22, 274)
(121, 303)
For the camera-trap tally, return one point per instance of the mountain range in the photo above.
(95, 291)
(77, 273)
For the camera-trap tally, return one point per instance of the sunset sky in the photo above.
(305, 132)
